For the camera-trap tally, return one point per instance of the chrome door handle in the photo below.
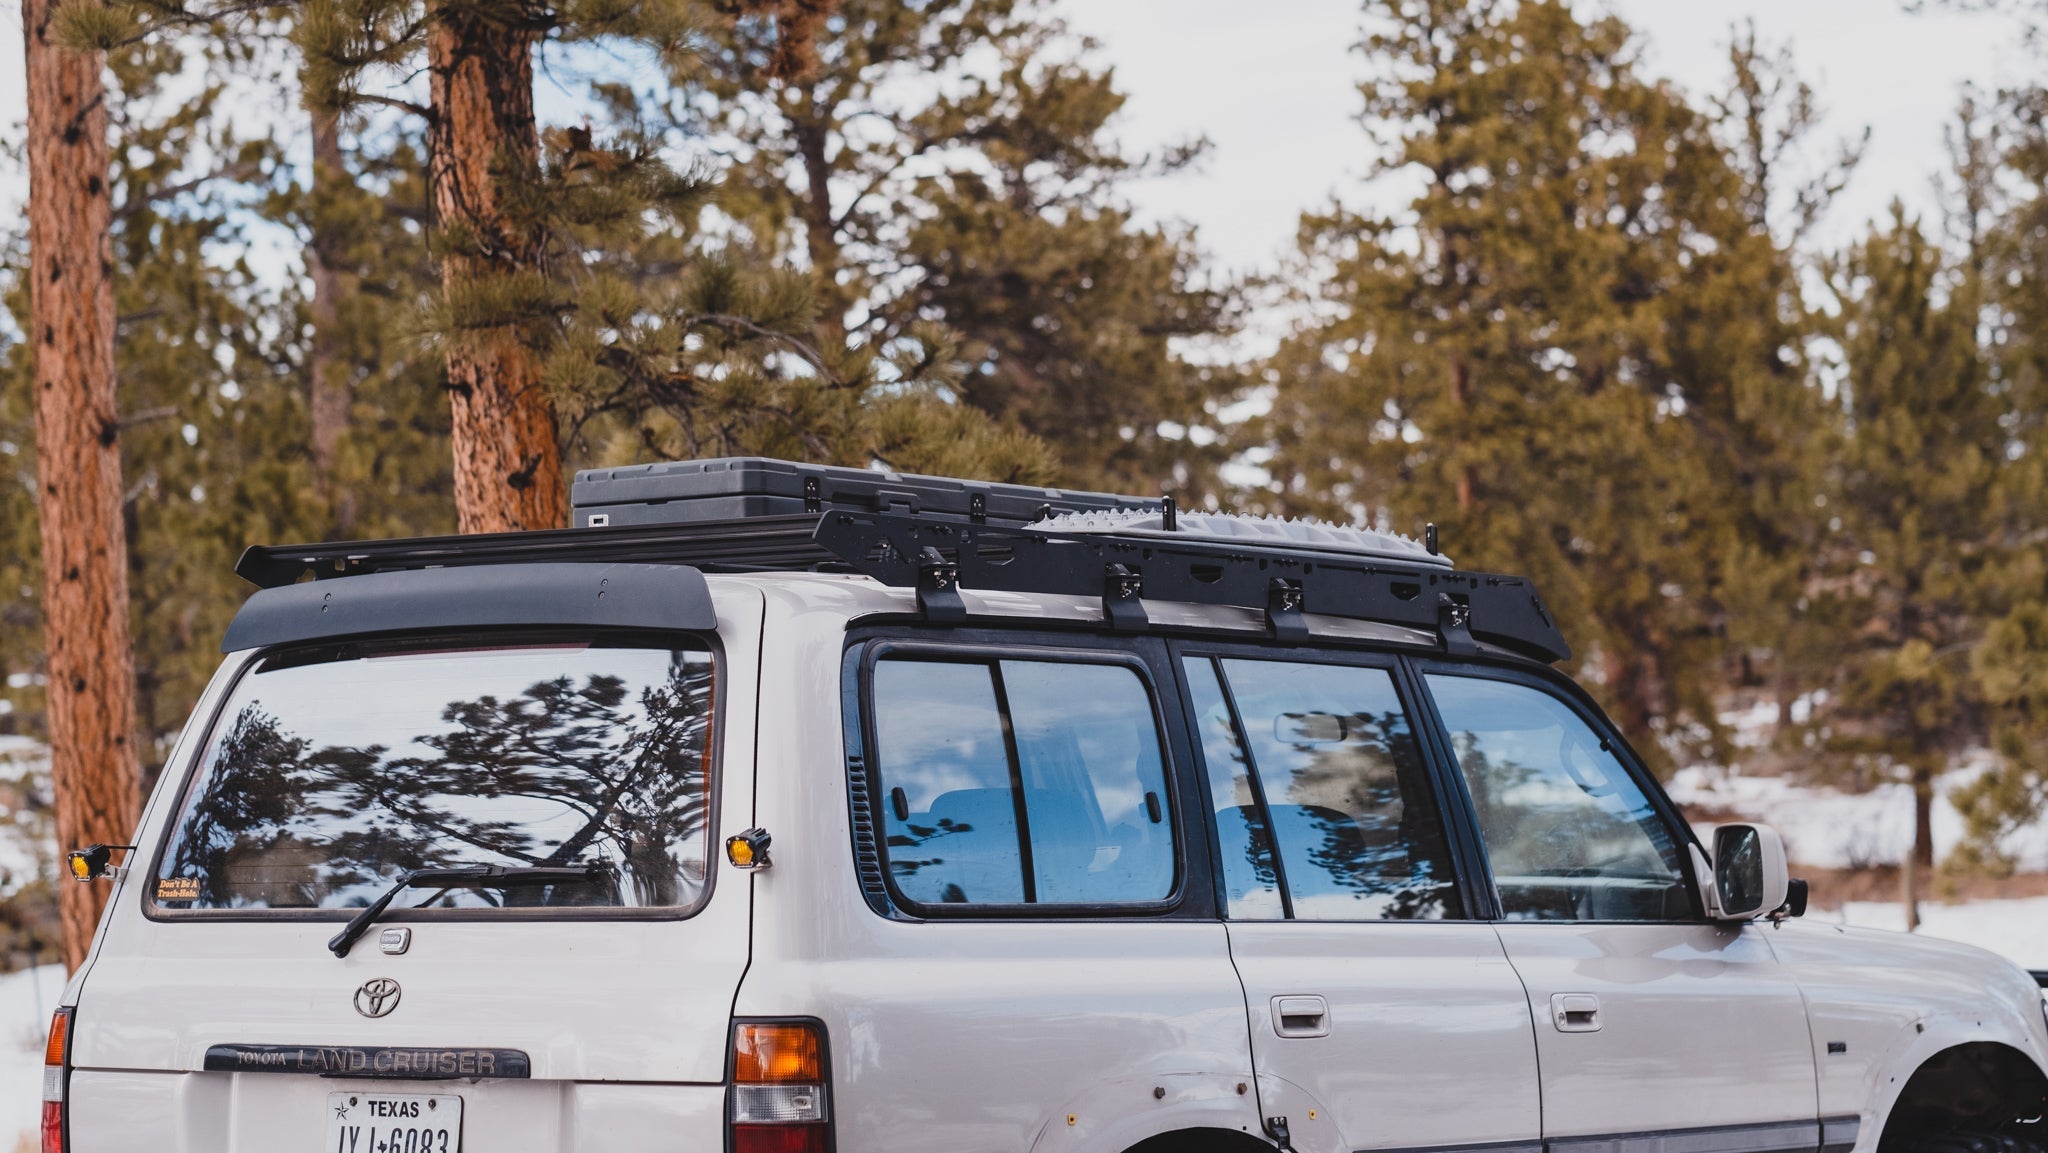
(1575, 1012)
(1301, 1015)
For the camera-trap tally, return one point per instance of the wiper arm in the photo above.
(458, 875)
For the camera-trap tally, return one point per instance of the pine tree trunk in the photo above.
(327, 361)
(91, 690)
(821, 233)
(508, 458)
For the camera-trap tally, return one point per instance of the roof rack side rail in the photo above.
(1460, 608)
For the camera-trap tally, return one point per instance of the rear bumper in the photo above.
(124, 1112)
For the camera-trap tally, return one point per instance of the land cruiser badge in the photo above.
(377, 997)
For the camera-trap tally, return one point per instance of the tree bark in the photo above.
(508, 456)
(811, 126)
(90, 670)
(327, 365)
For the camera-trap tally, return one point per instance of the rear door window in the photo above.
(1323, 802)
(1021, 782)
(331, 773)
(1570, 834)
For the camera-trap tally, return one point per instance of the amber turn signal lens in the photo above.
(777, 1054)
(60, 1035)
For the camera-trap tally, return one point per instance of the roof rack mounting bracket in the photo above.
(1123, 588)
(938, 588)
(1454, 623)
(1284, 601)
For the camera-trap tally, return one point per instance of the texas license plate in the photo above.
(394, 1123)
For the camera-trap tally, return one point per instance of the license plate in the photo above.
(394, 1123)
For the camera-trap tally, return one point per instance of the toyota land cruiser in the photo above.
(786, 809)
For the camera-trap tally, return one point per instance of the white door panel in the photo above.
(1419, 1014)
(1696, 1025)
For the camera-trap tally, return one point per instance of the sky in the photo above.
(1285, 137)
(1284, 132)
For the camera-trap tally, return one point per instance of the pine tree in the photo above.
(1920, 466)
(2000, 203)
(954, 162)
(70, 327)
(1577, 350)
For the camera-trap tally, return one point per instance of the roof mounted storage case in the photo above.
(732, 488)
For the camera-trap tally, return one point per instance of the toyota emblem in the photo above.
(377, 997)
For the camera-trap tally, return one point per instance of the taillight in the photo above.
(56, 1071)
(781, 1093)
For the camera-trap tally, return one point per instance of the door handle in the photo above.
(1575, 1012)
(1301, 1015)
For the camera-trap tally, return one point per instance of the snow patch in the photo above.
(26, 999)
(1830, 828)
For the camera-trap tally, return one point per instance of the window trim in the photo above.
(1549, 682)
(1454, 810)
(462, 638)
(872, 651)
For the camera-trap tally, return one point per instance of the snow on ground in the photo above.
(2015, 929)
(26, 850)
(1830, 828)
(26, 999)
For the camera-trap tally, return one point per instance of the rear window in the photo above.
(1021, 782)
(330, 775)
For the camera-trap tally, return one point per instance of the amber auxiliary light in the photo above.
(749, 850)
(779, 1088)
(91, 862)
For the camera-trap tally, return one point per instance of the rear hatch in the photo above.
(322, 777)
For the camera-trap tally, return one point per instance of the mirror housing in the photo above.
(1750, 877)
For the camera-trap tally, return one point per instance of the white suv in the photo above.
(782, 809)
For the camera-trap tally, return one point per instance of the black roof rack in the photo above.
(939, 555)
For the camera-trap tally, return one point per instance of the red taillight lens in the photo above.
(780, 1100)
(56, 1071)
(780, 1139)
(53, 1127)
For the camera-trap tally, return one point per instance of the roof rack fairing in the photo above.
(939, 556)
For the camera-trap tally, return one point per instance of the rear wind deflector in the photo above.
(635, 596)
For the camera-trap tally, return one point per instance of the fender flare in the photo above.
(1113, 1115)
(1936, 1033)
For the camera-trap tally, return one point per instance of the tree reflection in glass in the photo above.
(330, 779)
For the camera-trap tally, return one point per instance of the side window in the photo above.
(1009, 782)
(1251, 884)
(1570, 834)
(1321, 792)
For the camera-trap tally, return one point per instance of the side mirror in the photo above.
(1750, 874)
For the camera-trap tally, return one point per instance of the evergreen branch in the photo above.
(419, 110)
(235, 172)
(809, 354)
(148, 415)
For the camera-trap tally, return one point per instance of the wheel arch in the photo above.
(1202, 1141)
(1972, 1087)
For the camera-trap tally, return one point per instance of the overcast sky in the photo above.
(1285, 135)
(1283, 122)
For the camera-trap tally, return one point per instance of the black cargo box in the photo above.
(732, 488)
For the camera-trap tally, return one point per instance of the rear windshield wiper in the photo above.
(458, 875)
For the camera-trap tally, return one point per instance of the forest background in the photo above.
(1596, 340)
